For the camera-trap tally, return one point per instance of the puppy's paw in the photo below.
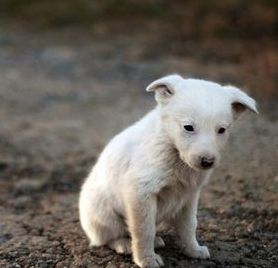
(154, 261)
(200, 252)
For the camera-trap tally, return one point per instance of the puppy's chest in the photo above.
(173, 197)
(169, 202)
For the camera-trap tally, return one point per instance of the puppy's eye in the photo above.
(221, 130)
(189, 128)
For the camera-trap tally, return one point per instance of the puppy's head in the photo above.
(197, 116)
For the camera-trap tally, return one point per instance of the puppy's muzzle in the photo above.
(206, 162)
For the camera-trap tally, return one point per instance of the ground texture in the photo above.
(63, 95)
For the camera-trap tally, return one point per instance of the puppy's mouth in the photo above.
(200, 168)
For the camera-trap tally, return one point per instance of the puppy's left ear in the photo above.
(240, 101)
(164, 88)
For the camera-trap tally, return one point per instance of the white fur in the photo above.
(150, 173)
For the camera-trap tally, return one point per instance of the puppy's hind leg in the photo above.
(98, 220)
(100, 234)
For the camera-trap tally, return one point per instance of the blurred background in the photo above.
(73, 74)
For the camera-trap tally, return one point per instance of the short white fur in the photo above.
(152, 173)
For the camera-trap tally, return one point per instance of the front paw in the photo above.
(199, 252)
(153, 261)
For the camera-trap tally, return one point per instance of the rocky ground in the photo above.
(64, 94)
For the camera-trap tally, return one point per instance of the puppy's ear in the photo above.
(240, 101)
(164, 87)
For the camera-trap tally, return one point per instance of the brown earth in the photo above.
(63, 94)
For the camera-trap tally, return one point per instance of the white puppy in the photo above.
(152, 172)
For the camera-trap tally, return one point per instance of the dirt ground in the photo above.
(64, 94)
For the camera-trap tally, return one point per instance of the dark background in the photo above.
(194, 19)
(72, 75)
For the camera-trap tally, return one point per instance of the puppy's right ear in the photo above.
(164, 88)
(241, 101)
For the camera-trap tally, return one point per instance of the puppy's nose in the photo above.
(207, 162)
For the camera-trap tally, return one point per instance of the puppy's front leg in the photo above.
(186, 225)
(141, 216)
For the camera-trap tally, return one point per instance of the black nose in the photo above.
(207, 162)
